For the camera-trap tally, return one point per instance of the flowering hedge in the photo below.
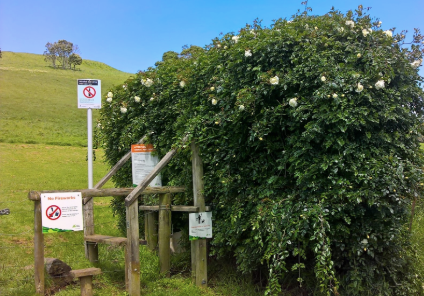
(308, 131)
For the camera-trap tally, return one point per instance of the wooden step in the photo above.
(85, 272)
(109, 240)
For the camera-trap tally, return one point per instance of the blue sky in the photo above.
(132, 35)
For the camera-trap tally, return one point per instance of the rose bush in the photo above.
(308, 131)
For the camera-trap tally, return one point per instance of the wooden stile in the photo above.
(91, 250)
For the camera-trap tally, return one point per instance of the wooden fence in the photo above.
(132, 242)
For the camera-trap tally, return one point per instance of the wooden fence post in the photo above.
(165, 233)
(151, 229)
(132, 253)
(38, 249)
(198, 247)
(91, 249)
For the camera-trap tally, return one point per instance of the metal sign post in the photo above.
(89, 97)
(90, 147)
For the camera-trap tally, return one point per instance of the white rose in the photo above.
(359, 88)
(235, 38)
(379, 24)
(379, 84)
(274, 80)
(225, 47)
(248, 53)
(335, 96)
(241, 107)
(110, 94)
(214, 101)
(123, 110)
(109, 100)
(388, 33)
(370, 30)
(416, 63)
(124, 86)
(252, 32)
(182, 83)
(212, 88)
(341, 29)
(365, 32)
(137, 99)
(152, 99)
(147, 82)
(323, 78)
(218, 45)
(316, 28)
(350, 23)
(293, 102)
(358, 55)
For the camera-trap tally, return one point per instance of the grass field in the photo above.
(38, 104)
(42, 134)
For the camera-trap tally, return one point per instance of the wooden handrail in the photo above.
(36, 195)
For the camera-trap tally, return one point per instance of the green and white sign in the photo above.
(61, 212)
(200, 225)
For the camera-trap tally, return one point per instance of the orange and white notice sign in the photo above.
(143, 163)
(142, 148)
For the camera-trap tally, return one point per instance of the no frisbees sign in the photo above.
(89, 94)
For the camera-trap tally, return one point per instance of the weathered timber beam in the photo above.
(190, 209)
(36, 195)
(149, 178)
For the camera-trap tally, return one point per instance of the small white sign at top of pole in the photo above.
(89, 94)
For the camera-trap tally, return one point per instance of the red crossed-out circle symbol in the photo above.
(53, 212)
(89, 92)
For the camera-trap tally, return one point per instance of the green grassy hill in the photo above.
(38, 104)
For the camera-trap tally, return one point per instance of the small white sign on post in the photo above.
(143, 163)
(200, 225)
(61, 212)
(89, 94)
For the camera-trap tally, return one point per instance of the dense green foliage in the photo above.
(308, 131)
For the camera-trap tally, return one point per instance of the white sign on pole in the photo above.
(143, 163)
(61, 212)
(89, 94)
(200, 225)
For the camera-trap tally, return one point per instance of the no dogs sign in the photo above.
(89, 91)
(61, 212)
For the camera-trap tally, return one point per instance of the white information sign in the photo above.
(61, 212)
(89, 94)
(200, 225)
(143, 163)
